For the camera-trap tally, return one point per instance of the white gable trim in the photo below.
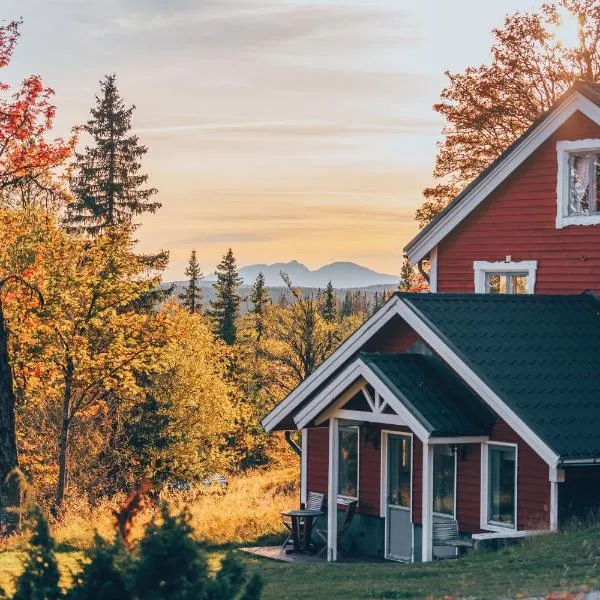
(417, 321)
(321, 408)
(418, 248)
(329, 366)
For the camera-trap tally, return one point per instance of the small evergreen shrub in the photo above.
(40, 577)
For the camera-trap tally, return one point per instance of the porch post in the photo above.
(332, 490)
(303, 467)
(555, 476)
(426, 546)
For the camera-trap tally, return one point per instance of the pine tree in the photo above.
(259, 296)
(40, 577)
(329, 304)
(407, 276)
(225, 307)
(108, 185)
(191, 296)
(347, 304)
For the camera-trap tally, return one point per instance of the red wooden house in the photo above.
(480, 401)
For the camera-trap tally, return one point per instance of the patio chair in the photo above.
(314, 501)
(322, 533)
(445, 534)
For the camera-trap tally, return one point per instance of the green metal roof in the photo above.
(443, 404)
(540, 355)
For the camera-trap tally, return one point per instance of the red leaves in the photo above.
(26, 116)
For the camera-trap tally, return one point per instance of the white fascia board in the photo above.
(419, 249)
(331, 364)
(321, 403)
(417, 321)
(460, 439)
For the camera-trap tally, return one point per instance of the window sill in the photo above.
(562, 222)
(497, 528)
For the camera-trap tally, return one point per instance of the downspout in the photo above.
(424, 274)
(292, 443)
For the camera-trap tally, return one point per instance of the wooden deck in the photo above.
(278, 553)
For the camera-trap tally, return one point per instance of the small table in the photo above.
(302, 524)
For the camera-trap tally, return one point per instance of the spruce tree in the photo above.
(259, 296)
(107, 185)
(225, 307)
(329, 304)
(40, 577)
(191, 297)
(407, 276)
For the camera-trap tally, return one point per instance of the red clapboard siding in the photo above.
(396, 336)
(518, 219)
(417, 491)
(533, 485)
(317, 459)
(468, 479)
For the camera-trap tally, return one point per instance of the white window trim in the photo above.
(481, 268)
(563, 149)
(341, 498)
(484, 522)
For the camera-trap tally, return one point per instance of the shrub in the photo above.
(40, 577)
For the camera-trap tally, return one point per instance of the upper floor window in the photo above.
(505, 277)
(578, 183)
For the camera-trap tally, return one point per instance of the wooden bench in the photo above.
(495, 539)
(445, 533)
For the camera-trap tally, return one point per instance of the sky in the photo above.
(285, 129)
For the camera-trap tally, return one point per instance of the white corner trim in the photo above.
(419, 247)
(563, 149)
(433, 270)
(329, 366)
(303, 467)
(485, 524)
(481, 268)
(414, 318)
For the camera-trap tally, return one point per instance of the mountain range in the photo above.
(341, 274)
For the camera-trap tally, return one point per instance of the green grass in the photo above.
(557, 563)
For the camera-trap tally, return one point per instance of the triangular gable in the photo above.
(583, 97)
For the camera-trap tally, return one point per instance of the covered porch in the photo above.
(408, 418)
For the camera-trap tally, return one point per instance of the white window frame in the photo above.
(342, 499)
(484, 521)
(563, 151)
(482, 268)
(455, 453)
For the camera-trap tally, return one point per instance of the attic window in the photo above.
(505, 277)
(578, 183)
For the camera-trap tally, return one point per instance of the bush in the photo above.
(40, 577)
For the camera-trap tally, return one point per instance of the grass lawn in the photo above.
(556, 563)
(566, 562)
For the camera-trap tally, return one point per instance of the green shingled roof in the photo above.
(443, 404)
(540, 355)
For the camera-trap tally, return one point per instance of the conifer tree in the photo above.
(407, 276)
(191, 296)
(40, 577)
(329, 304)
(108, 186)
(225, 307)
(259, 296)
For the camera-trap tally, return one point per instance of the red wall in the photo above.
(518, 219)
(468, 493)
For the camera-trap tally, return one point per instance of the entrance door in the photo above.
(399, 497)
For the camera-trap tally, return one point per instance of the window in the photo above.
(444, 470)
(578, 183)
(505, 277)
(501, 485)
(348, 463)
(399, 470)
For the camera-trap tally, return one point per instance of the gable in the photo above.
(583, 98)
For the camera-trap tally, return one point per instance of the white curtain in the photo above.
(580, 183)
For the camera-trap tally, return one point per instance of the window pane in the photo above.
(495, 283)
(579, 183)
(443, 479)
(399, 461)
(501, 473)
(348, 462)
(518, 284)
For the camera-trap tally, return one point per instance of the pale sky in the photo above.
(286, 129)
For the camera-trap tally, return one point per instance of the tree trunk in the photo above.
(10, 490)
(63, 440)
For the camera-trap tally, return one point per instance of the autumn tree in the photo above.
(224, 309)
(259, 296)
(487, 107)
(408, 276)
(108, 185)
(191, 296)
